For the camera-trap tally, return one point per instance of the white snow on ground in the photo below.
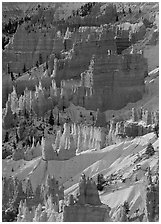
(116, 159)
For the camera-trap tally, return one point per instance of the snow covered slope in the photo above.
(120, 160)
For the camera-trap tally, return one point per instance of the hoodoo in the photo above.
(80, 111)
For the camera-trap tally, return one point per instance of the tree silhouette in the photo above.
(150, 150)
(24, 68)
(51, 119)
(37, 64)
(8, 68)
(40, 59)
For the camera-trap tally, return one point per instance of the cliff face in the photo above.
(68, 46)
(43, 32)
(30, 44)
(118, 80)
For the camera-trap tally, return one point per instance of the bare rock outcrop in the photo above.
(8, 118)
(87, 207)
(141, 122)
(74, 139)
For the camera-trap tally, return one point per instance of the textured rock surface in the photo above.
(85, 213)
(116, 79)
(6, 88)
(88, 206)
(74, 139)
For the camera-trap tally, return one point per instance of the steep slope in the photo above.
(120, 160)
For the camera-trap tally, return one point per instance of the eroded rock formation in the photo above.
(87, 206)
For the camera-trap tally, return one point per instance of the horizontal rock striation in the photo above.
(116, 79)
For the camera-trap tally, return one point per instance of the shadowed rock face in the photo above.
(88, 207)
(85, 213)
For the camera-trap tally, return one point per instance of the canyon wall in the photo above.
(29, 45)
(116, 79)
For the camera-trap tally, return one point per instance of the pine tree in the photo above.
(37, 64)
(58, 122)
(8, 69)
(17, 136)
(24, 68)
(47, 66)
(150, 150)
(12, 76)
(51, 119)
(126, 207)
(40, 59)
(6, 137)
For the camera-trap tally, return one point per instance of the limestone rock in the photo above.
(8, 119)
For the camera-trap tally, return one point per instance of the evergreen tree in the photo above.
(150, 150)
(51, 119)
(26, 115)
(6, 137)
(47, 66)
(8, 68)
(37, 64)
(100, 182)
(12, 76)
(126, 207)
(40, 59)
(24, 68)
(58, 122)
(17, 136)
